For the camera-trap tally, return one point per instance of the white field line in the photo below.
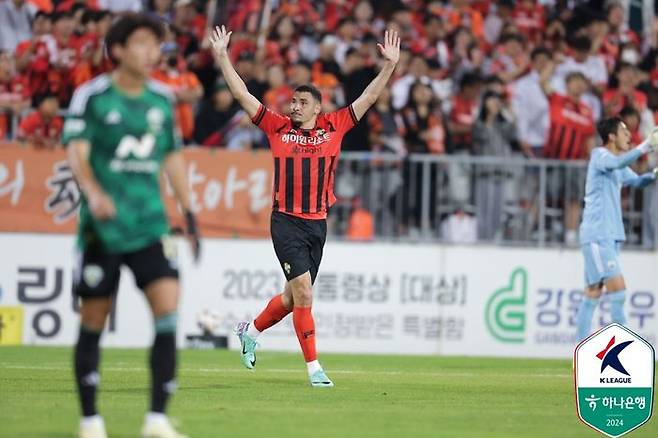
(437, 374)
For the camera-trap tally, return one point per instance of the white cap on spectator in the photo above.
(180, 3)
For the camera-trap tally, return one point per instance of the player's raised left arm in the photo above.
(390, 50)
(174, 168)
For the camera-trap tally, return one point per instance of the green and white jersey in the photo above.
(130, 137)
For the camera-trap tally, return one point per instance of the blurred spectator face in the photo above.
(41, 25)
(404, 18)
(303, 107)
(493, 104)
(363, 11)
(353, 61)
(576, 86)
(245, 67)
(463, 38)
(184, 11)
(418, 67)
(616, 15)
(162, 6)
(285, 28)
(328, 47)
(434, 29)
(275, 76)
(627, 77)
(63, 27)
(539, 61)
(222, 99)
(347, 30)
(300, 75)
(513, 48)
(104, 24)
(421, 94)
(140, 53)
(49, 107)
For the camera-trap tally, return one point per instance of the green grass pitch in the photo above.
(375, 396)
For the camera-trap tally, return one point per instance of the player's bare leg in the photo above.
(93, 314)
(302, 317)
(162, 296)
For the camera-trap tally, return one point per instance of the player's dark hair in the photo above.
(607, 127)
(310, 89)
(125, 26)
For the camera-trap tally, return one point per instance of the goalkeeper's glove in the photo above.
(192, 232)
(650, 144)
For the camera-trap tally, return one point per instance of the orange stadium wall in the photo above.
(231, 191)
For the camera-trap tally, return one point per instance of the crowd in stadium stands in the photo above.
(475, 77)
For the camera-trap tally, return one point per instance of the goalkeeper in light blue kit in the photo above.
(602, 228)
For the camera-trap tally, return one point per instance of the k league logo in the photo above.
(614, 378)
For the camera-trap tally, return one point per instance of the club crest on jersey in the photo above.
(92, 275)
(155, 119)
(113, 118)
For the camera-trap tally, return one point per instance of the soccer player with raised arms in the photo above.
(121, 136)
(305, 147)
(602, 228)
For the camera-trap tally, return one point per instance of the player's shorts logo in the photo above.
(286, 267)
(92, 275)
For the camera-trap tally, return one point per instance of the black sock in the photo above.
(86, 369)
(163, 370)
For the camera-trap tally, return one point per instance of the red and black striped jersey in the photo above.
(572, 123)
(305, 160)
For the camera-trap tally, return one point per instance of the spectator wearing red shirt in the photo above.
(626, 93)
(571, 137)
(63, 57)
(464, 112)
(43, 127)
(529, 19)
(14, 93)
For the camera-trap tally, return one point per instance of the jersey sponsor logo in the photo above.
(303, 140)
(113, 118)
(141, 148)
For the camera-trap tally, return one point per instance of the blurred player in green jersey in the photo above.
(121, 136)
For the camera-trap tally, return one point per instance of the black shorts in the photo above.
(298, 243)
(97, 272)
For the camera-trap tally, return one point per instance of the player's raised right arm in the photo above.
(219, 40)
